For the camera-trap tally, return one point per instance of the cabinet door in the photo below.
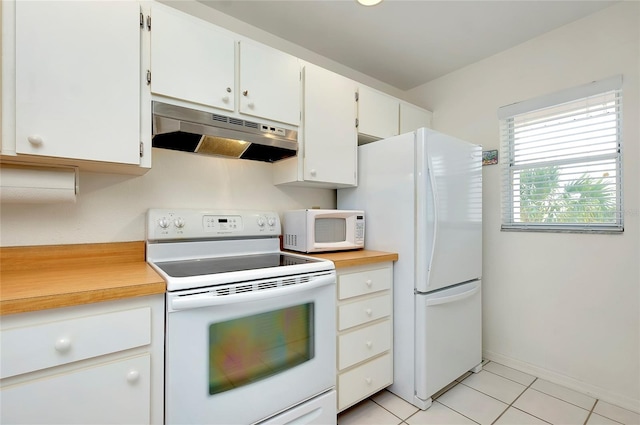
(190, 59)
(114, 393)
(78, 80)
(329, 132)
(377, 113)
(269, 84)
(412, 118)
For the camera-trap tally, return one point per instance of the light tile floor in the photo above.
(496, 395)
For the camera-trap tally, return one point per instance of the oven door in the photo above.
(244, 357)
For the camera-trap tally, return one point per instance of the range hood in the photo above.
(190, 130)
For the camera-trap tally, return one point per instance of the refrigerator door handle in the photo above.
(434, 196)
(453, 298)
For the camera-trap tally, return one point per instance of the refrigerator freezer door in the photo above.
(448, 211)
(448, 336)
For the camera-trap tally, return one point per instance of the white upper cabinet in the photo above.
(378, 113)
(412, 117)
(195, 62)
(191, 60)
(329, 134)
(78, 81)
(328, 137)
(269, 83)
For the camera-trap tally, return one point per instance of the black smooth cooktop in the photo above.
(207, 266)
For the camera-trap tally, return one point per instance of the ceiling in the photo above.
(407, 43)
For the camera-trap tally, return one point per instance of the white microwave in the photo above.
(323, 230)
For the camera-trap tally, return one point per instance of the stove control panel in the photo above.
(166, 224)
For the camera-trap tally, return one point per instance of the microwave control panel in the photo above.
(360, 229)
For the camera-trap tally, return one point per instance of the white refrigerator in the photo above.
(422, 197)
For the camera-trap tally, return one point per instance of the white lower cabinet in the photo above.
(97, 363)
(114, 393)
(362, 381)
(365, 331)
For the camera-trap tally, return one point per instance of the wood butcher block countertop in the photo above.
(356, 258)
(42, 277)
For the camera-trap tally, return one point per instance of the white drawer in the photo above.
(30, 348)
(364, 380)
(364, 343)
(359, 312)
(365, 282)
(113, 393)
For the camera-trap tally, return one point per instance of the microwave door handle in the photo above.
(207, 299)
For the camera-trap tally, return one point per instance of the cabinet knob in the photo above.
(250, 105)
(225, 99)
(63, 345)
(369, 344)
(368, 381)
(368, 282)
(245, 92)
(35, 140)
(312, 172)
(133, 376)
(369, 312)
(228, 89)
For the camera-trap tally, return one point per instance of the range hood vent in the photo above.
(190, 130)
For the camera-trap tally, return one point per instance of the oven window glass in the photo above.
(248, 349)
(330, 230)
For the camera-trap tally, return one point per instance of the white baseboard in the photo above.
(566, 381)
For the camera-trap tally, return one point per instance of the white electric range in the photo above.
(250, 330)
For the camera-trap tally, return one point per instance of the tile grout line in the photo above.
(505, 377)
(530, 386)
(497, 399)
(593, 411)
(516, 399)
(558, 398)
(605, 416)
(459, 413)
(433, 400)
(590, 412)
(375, 402)
(451, 408)
(545, 393)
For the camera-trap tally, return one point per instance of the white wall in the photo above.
(563, 306)
(111, 208)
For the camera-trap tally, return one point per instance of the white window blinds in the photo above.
(561, 161)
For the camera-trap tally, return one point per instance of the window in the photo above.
(561, 161)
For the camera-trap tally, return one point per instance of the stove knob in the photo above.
(260, 221)
(179, 223)
(163, 223)
(271, 221)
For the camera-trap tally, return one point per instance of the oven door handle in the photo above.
(186, 302)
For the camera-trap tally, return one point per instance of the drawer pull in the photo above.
(35, 140)
(368, 381)
(133, 376)
(368, 282)
(369, 312)
(369, 344)
(63, 345)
